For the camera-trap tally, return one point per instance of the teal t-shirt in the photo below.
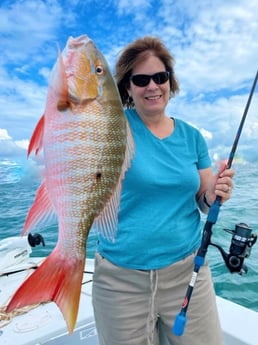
(159, 219)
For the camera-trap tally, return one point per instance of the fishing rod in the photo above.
(241, 236)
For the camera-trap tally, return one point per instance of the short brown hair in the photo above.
(138, 51)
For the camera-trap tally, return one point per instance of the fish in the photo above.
(88, 147)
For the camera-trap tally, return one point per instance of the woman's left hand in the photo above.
(222, 185)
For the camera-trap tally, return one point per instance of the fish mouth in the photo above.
(78, 41)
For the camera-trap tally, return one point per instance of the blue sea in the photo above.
(19, 180)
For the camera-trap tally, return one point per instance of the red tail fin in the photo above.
(55, 280)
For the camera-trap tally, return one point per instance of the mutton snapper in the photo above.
(87, 147)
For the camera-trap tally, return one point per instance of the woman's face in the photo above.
(151, 99)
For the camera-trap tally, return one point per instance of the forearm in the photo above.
(203, 203)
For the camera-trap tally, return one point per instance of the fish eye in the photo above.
(99, 70)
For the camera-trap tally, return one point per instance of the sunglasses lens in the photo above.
(142, 80)
(160, 78)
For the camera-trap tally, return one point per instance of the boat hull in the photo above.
(45, 325)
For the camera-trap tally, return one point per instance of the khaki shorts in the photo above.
(134, 307)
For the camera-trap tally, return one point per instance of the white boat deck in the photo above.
(44, 325)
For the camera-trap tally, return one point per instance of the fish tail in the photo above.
(57, 280)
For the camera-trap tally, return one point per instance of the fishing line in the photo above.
(19, 270)
(181, 319)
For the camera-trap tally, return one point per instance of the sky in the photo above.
(214, 43)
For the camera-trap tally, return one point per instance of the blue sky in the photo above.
(214, 43)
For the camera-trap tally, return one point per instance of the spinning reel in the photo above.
(240, 248)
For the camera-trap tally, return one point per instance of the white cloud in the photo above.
(218, 45)
(23, 144)
(28, 24)
(136, 7)
(44, 72)
(215, 45)
(206, 134)
(10, 147)
(4, 134)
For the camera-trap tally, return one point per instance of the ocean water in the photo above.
(19, 180)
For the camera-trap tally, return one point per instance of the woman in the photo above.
(142, 277)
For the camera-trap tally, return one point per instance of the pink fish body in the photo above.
(87, 148)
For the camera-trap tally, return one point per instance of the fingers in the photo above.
(224, 185)
(227, 173)
(224, 188)
(221, 185)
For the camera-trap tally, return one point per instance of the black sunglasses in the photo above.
(144, 79)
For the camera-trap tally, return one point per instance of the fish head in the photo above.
(86, 71)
